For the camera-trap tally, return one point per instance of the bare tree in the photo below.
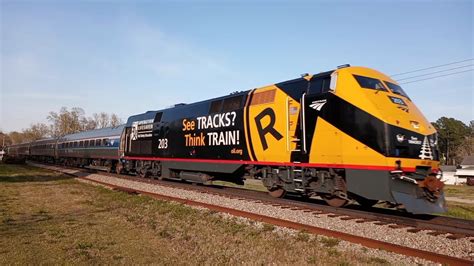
(88, 124)
(67, 122)
(62, 123)
(115, 120)
(36, 131)
(103, 120)
(16, 137)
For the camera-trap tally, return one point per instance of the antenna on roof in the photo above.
(343, 66)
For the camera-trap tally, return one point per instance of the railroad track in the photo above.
(456, 228)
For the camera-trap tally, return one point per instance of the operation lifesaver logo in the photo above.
(142, 129)
(212, 138)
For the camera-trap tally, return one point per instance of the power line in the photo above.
(435, 72)
(438, 76)
(417, 70)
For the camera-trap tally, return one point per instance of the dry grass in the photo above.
(46, 218)
(461, 191)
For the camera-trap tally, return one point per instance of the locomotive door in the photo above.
(125, 141)
(295, 128)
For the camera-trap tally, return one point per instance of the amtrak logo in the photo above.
(317, 105)
(400, 137)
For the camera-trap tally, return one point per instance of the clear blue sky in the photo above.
(129, 57)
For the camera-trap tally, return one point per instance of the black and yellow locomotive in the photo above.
(350, 133)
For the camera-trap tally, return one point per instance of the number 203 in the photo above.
(162, 143)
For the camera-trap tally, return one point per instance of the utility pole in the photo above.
(447, 150)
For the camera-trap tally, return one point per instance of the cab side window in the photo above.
(319, 85)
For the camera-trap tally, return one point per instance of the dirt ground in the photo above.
(47, 218)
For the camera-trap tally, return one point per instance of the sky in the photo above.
(128, 57)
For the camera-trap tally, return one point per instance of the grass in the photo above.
(461, 191)
(459, 209)
(46, 218)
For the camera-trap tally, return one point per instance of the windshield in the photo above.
(396, 89)
(370, 83)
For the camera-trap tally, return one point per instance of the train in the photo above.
(351, 133)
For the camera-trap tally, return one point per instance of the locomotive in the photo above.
(347, 134)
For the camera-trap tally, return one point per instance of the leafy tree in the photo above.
(467, 147)
(452, 134)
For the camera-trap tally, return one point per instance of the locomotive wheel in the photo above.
(334, 201)
(277, 192)
(119, 168)
(144, 174)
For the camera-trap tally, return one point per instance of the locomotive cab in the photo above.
(385, 133)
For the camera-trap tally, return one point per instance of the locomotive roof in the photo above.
(177, 107)
(96, 133)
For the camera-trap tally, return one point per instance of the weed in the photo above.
(343, 263)
(377, 261)
(303, 236)
(329, 242)
(334, 252)
(268, 227)
(8, 220)
(165, 233)
(84, 245)
(311, 260)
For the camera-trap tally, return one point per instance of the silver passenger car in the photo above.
(93, 144)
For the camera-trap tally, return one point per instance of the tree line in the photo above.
(59, 124)
(455, 139)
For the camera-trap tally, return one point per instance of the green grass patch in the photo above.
(460, 210)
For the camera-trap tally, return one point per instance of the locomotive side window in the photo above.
(158, 117)
(319, 85)
(232, 103)
(370, 83)
(216, 107)
(81, 143)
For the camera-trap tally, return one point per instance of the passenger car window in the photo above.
(370, 83)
